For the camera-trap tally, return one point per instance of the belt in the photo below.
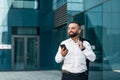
(75, 74)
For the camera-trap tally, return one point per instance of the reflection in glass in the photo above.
(3, 35)
(28, 4)
(91, 3)
(58, 3)
(32, 53)
(111, 35)
(25, 55)
(19, 54)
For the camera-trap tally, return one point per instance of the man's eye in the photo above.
(73, 28)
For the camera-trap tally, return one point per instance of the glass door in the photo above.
(32, 53)
(25, 52)
(19, 49)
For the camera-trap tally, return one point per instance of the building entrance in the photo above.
(25, 52)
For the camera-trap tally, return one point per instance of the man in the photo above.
(74, 54)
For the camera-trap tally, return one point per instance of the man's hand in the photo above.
(80, 44)
(64, 52)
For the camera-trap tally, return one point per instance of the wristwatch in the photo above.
(83, 49)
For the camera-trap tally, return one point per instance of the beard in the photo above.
(74, 34)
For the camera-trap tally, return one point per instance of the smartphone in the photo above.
(63, 46)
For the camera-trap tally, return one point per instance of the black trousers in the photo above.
(72, 76)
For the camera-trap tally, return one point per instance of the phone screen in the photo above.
(63, 46)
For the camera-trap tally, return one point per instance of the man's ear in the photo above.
(79, 31)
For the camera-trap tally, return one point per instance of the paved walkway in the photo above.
(55, 75)
(30, 75)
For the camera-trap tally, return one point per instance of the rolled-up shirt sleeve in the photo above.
(59, 58)
(88, 52)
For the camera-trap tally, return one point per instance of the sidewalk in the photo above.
(104, 75)
(55, 75)
(30, 75)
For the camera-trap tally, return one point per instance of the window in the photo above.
(25, 31)
(58, 3)
(27, 4)
(91, 3)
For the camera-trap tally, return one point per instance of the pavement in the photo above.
(30, 75)
(55, 75)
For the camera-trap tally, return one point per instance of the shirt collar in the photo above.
(70, 39)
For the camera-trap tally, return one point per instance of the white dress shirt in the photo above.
(75, 60)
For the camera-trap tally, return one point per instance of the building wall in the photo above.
(5, 53)
(101, 20)
(41, 17)
(111, 26)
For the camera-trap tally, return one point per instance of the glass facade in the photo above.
(26, 4)
(25, 31)
(25, 52)
(111, 26)
(101, 20)
(94, 31)
(5, 57)
(16, 22)
(90, 3)
(58, 3)
(75, 6)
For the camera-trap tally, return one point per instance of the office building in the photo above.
(31, 31)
